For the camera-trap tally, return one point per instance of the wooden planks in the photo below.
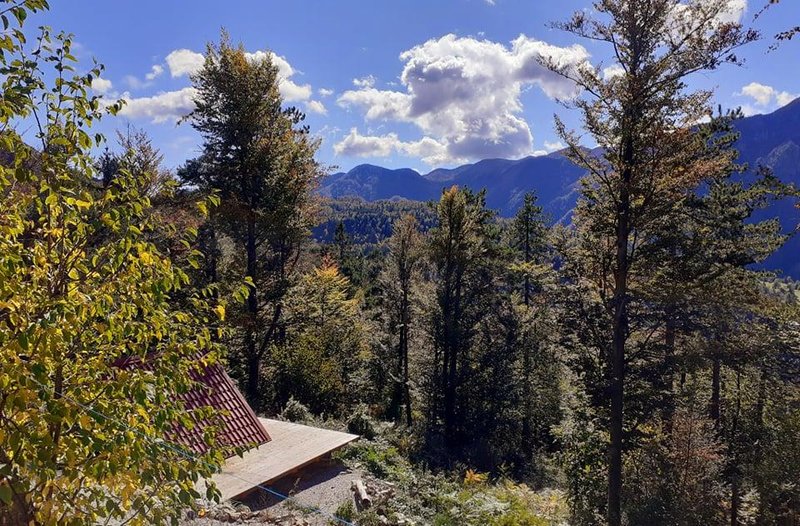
(292, 447)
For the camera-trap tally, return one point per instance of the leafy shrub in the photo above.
(346, 511)
(360, 423)
(294, 411)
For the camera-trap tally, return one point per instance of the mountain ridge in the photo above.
(771, 140)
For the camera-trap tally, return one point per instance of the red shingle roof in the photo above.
(239, 427)
(238, 424)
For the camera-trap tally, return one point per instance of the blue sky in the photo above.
(416, 83)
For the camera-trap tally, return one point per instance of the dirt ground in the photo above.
(322, 486)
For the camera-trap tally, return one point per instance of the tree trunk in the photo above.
(404, 335)
(714, 404)
(620, 334)
(407, 391)
(253, 359)
(669, 366)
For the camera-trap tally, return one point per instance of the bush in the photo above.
(296, 412)
(346, 511)
(360, 423)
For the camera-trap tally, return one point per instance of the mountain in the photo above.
(771, 140)
(553, 178)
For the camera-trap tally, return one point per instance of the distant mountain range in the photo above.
(771, 140)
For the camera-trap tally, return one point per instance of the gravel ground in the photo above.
(324, 485)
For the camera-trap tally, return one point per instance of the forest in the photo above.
(634, 366)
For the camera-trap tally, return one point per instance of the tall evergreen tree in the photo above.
(402, 269)
(260, 160)
(462, 252)
(643, 120)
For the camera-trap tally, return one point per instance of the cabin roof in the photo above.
(239, 426)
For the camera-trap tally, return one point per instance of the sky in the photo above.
(401, 83)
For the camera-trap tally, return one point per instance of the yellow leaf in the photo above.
(473, 477)
(220, 310)
(85, 421)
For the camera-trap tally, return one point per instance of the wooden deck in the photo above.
(292, 447)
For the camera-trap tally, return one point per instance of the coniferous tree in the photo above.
(260, 160)
(398, 278)
(643, 120)
(462, 252)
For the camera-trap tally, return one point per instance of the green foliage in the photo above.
(360, 423)
(294, 411)
(345, 511)
(425, 498)
(368, 222)
(258, 158)
(318, 364)
(84, 296)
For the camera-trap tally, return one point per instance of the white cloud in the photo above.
(292, 92)
(163, 107)
(365, 82)
(684, 14)
(615, 70)
(171, 105)
(155, 72)
(316, 106)
(761, 93)
(554, 146)
(357, 145)
(764, 97)
(184, 62)
(783, 98)
(734, 11)
(325, 92)
(464, 95)
(101, 86)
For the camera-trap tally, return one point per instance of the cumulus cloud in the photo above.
(784, 97)
(554, 146)
(764, 97)
(169, 106)
(155, 72)
(612, 71)
(163, 107)
(101, 86)
(365, 82)
(184, 62)
(464, 95)
(357, 145)
(316, 106)
(734, 12)
(731, 13)
(761, 93)
(325, 92)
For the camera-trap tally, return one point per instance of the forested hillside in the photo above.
(366, 222)
(628, 366)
